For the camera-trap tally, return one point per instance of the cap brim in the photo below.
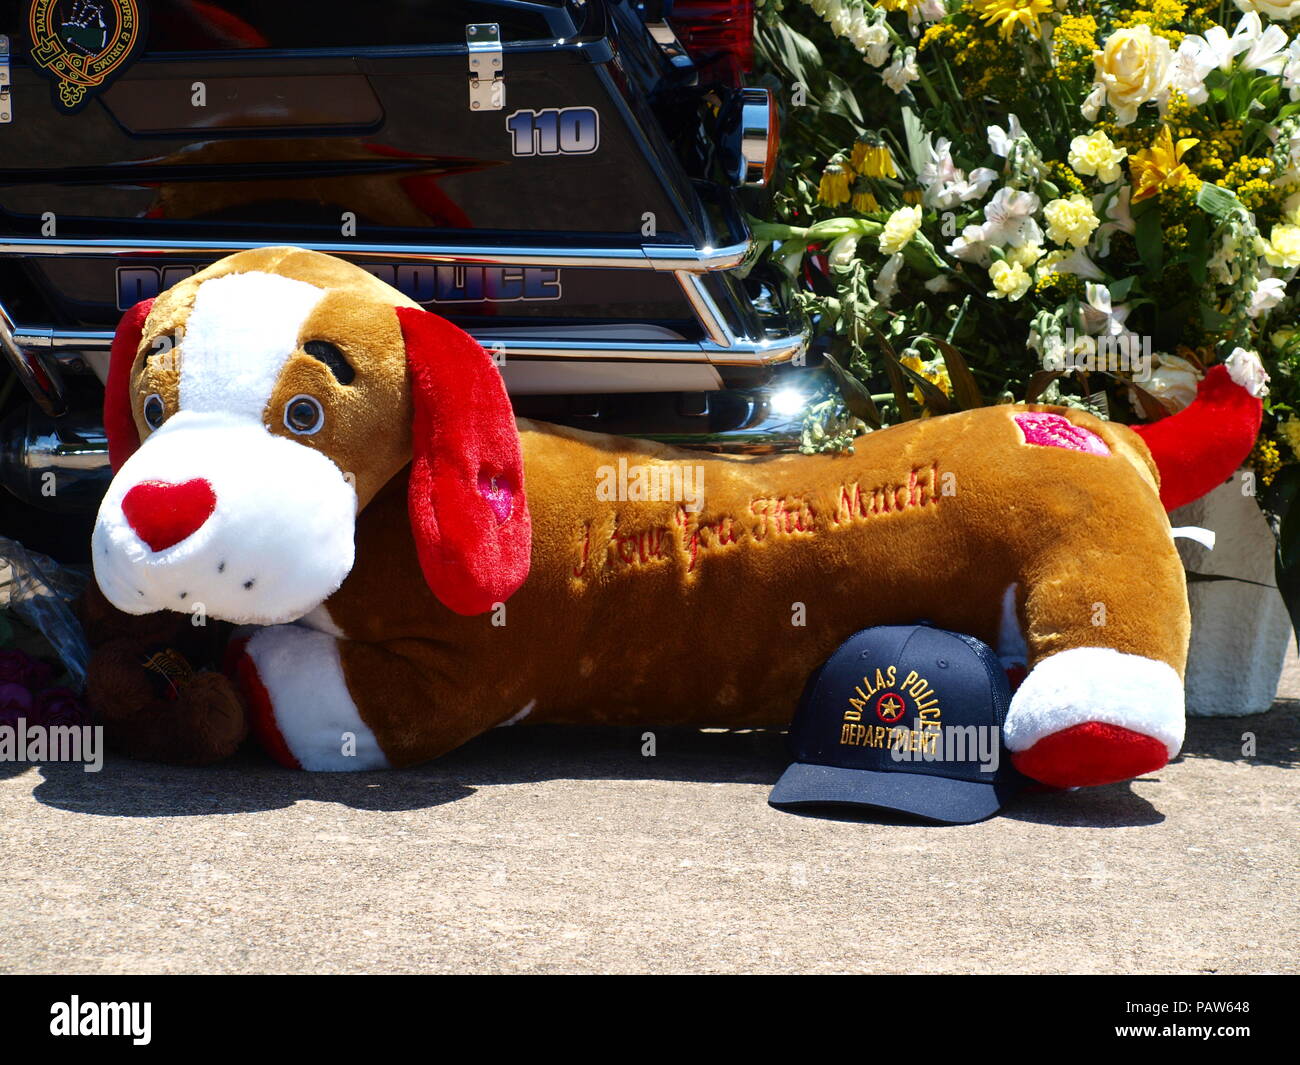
(956, 802)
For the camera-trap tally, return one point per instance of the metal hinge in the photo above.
(6, 107)
(487, 83)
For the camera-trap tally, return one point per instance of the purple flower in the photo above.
(60, 706)
(15, 667)
(15, 702)
(18, 667)
(40, 675)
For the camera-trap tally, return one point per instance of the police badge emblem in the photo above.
(83, 44)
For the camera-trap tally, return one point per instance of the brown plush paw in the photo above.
(192, 719)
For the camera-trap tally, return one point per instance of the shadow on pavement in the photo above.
(1273, 737)
(251, 782)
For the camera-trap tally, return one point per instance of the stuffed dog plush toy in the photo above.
(299, 447)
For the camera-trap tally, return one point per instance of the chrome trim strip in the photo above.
(706, 309)
(41, 378)
(646, 257)
(64, 344)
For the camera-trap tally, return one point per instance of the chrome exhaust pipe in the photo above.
(58, 464)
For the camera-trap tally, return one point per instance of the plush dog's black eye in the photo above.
(303, 415)
(324, 351)
(155, 411)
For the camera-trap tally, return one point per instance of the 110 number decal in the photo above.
(555, 131)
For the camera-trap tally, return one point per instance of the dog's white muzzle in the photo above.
(214, 513)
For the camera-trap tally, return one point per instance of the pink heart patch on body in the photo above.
(1052, 430)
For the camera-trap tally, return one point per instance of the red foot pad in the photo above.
(259, 706)
(1090, 754)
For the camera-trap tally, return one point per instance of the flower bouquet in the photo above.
(1085, 204)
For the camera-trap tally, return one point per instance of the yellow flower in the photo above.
(865, 202)
(1010, 280)
(1290, 430)
(913, 196)
(1025, 255)
(1008, 14)
(935, 372)
(1160, 166)
(1071, 221)
(1283, 246)
(874, 160)
(1265, 457)
(1096, 154)
(899, 229)
(834, 187)
(1132, 68)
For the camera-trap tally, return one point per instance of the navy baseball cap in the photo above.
(907, 718)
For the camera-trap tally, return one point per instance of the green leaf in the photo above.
(964, 388)
(1038, 384)
(1280, 501)
(857, 397)
(1119, 289)
(1150, 237)
(897, 381)
(841, 100)
(1198, 248)
(1217, 202)
(1212, 319)
(914, 131)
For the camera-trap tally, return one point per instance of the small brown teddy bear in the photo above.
(154, 684)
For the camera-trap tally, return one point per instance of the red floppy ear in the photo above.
(119, 425)
(468, 512)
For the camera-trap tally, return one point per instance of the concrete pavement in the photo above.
(561, 850)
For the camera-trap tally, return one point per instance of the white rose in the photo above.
(1244, 367)
(1173, 383)
(1278, 10)
(1134, 68)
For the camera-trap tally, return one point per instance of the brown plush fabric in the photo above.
(642, 612)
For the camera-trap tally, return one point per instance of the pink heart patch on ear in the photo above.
(498, 495)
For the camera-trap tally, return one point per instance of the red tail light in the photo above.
(719, 34)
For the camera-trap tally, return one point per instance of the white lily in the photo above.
(1269, 292)
(843, 251)
(873, 43)
(971, 246)
(1117, 213)
(902, 70)
(1218, 46)
(1009, 218)
(886, 283)
(1078, 263)
(1291, 69)
(1091, 106)
(1001, 140)
(1193, 62)
(1265, 46)
(1100, 318)
(946, 185)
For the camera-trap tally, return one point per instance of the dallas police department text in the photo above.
(22, 742)
(75, 1017)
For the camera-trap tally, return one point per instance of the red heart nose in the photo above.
(163, 514)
